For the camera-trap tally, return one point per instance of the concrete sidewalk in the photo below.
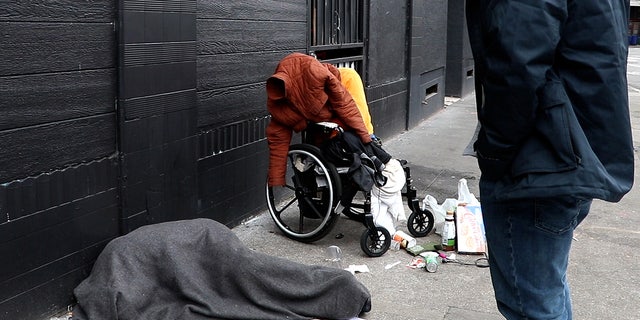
(604, 270)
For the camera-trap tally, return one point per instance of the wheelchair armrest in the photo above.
(327, 125)
(317, 132)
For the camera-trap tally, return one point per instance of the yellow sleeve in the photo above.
(353, 83)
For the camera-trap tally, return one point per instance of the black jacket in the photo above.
(552, 97)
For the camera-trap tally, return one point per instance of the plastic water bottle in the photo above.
(449, 232)
(334, 256)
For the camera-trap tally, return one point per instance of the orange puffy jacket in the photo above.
(302, 89)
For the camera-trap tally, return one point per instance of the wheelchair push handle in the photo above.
(325, 126)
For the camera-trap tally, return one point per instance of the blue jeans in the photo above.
(529, 242)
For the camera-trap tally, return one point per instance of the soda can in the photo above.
(431, 261)
(405, 240)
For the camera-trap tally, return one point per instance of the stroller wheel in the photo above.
(420, 223)
(375, 242)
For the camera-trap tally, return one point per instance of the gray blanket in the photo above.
(199, 269)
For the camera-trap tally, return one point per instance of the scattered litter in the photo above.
(405, 240)
(420, 248)
(450, 100)
(359, 268)
(431, 261)
(395, 245)
(334, 255)
(391, 265)
(417, 262)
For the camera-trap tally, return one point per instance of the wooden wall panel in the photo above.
(229, 191)
(239, 45)
(267, 10)
(236, 107)
(157, 127)
(231, 86)
(35, 99)
(36, 247)
(58, 163)
(54, 47)
(249, 36)
(34, 150)
(57, 85)
(235, 69)
(50, 263)
(57, 11)
(231, 81)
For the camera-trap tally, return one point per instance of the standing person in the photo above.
(554, 134)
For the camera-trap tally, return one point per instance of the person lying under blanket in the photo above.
(199, 269)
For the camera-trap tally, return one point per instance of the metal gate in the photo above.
(337, 32)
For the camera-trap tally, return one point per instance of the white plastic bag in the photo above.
(464, 196)
(440, 210)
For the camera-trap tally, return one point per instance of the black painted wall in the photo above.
(157, 111)
(121, 113)
(427, 55)
(386, 69)
(460, 69)
(58, 164)
(239, 45)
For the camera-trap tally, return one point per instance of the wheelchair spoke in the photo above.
(314, 207)
(292, 201)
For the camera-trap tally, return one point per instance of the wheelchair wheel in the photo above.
(420, 223)
(304, 209)
(375, 242)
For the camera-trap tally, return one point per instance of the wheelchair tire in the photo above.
(375, 242)
(304, 209)
(420, 223)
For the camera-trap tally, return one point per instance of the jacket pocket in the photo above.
(550, 147)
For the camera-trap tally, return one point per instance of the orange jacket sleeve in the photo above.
(279, 138)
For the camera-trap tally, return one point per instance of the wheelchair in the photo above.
(309, 206)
